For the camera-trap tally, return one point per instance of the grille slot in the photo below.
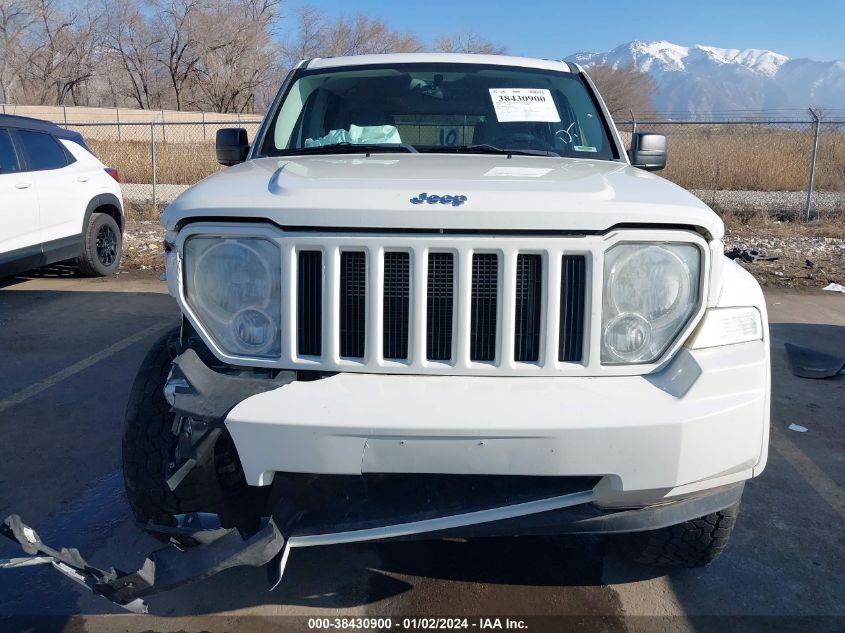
(529, 296)
(440, 306)
(309, 303)
(353, 304)
(396, 305)
(573, 288)
(485, 294)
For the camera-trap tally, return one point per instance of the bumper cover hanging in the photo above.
(197, 550)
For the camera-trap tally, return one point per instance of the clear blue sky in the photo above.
(555, 28)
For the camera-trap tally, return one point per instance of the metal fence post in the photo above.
(633, 122)
(117, 116)
(153, 160)
(64, 112)
(203, 126)
(816, 130)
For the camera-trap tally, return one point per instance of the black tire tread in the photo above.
(87, 262)
(694, 543)
(147, 440)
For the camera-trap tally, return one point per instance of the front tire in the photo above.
(101, 248)
(694, 543)
(149, 445)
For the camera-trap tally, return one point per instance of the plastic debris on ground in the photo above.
(810, 363)
(797, 428)
(834, 287)
(749, 255)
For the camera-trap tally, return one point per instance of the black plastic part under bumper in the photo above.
(351, 505)
(590, 518)
(199, 550)
(194, 553)
(196, 391)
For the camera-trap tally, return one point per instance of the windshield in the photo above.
(438, 108)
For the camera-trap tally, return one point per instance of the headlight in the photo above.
(233, 286)
(650, 293)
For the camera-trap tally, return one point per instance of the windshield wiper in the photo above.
(484, 148)
(351, 148)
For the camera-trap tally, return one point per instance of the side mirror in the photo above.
(648, 151)
(232, 145)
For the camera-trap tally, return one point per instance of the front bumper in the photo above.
(699, 423)
(200, 548)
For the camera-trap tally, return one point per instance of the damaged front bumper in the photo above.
(200, 548)
(397, 457)
(197, 550)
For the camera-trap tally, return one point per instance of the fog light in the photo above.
(254, 329)
(626, 336)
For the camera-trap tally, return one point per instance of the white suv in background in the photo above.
(59, 201)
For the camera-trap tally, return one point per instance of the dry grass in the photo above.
(753, 157)
(736, 157)
(176, 163)
(142, 211)
(831, 226)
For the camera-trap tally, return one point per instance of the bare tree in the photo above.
(134, 43)
(467, 42)
(317, 36)
(57, 54)
(623, 89)
(239, 55)
(310, 36)
(16, 17)
(364, 35)
(176, 23)
(220, 55)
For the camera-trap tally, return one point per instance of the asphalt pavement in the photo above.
(69, 348)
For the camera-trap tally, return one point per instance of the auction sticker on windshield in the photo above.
(524, 104)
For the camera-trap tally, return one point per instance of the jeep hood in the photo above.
(517, 193)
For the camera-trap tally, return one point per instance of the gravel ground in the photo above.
(142, 246)
(805, 258)
(772, 201)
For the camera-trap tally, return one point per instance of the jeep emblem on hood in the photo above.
(455, 201)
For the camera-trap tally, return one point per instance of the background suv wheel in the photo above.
(102, 247)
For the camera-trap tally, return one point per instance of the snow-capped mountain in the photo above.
(706, 79)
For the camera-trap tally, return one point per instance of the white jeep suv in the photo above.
(59, 201)
(436, 297)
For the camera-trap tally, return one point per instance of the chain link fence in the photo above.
(790, 169)
(735, 166)
(158, 161)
